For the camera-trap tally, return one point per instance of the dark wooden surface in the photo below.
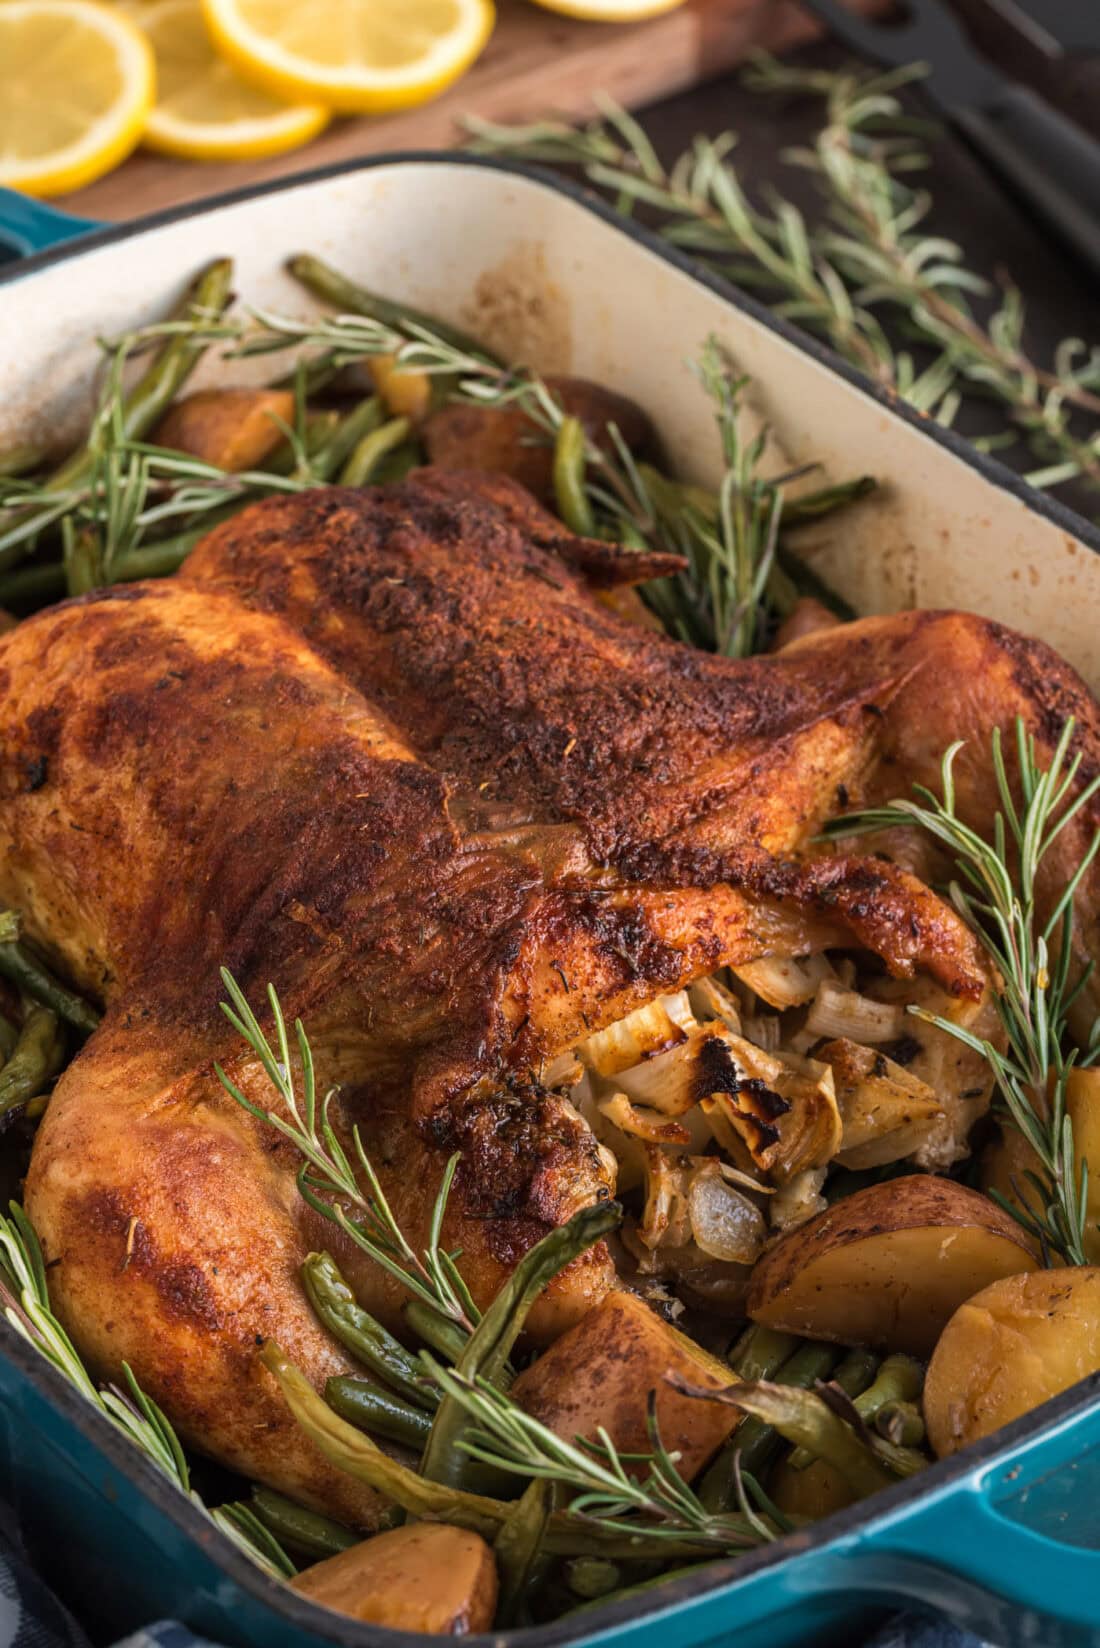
(970, 207)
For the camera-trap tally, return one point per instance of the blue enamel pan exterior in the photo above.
(1004, 1538)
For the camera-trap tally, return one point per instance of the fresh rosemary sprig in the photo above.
(867, 257)
(997, 895)
(604, 1494)
(132, 489)
(732, 586)
(328, 1180)
(26, 1304)
(611, 1500)
(874, 236)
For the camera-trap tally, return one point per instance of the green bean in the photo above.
(518, 1546)
(42, 582)
(856, 1371)
(318, 428)
(853, 1376)
(761, 1352)
(9, 1035)
(82, 557)
(309, 377)
(340, 1312)
(900, 1422)
(808, 582)
(325, 282)
(31, 977)
(39, 1054)
(144, 404)
(805, 1419)
(362, 464)
(376, 1410)
(670, 498)
(350, 432)
(570, 462)
(485, 1354)
(398, 463)
(811, 506)
(639, 1589)
(167, 555)
(755, 1442)
(20, 460)
(592, 1576)
(304, 1531)
(243, 1520)
(354, 1452)
(435, 1330)
(899, 1379)
(630, 536)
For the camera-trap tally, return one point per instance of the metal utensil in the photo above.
(1048, 162)
(1057, 28)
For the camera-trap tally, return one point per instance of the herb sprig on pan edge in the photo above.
(997, 895)
(26, 1305)
(868, 259)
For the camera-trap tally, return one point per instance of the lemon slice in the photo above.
(204, 110)
(76, 85)
(354, 55)
(610, 11)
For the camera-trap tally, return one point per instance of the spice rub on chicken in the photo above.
(387, 750)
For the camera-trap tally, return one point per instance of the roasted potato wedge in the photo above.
(1083, 1109)
(889, 1265)
(407, 392)
(1010, 1347)
(600, 1373)
(234, 429)
(504, 440)
(426, 1577)
(1008, 1158)
(812, 1493)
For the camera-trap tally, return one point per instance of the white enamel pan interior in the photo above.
(548, 279)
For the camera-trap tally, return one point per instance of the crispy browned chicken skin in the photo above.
(387, 750)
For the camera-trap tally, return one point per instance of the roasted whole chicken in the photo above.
(391, 750)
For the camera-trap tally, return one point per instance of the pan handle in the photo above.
(994, 1549)
(28, 226)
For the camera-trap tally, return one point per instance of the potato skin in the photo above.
(1083, 1109)
(812, 1493)
(1011, 1347)
(504, 440)
(426, 1577)
(889, 1265)
(232, 428)
(1009, 1157)
(601, 1373)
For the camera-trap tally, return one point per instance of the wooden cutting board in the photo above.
(536, 64)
